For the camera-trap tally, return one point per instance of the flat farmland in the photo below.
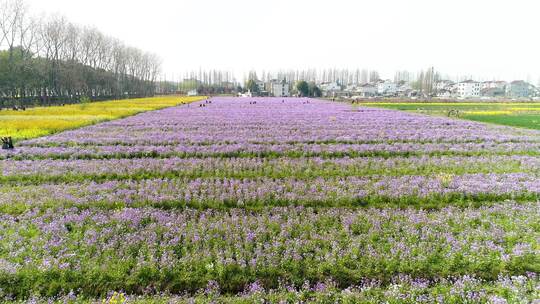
(516, 114)
(273, 200)
(41, 121)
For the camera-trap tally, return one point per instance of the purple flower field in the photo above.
(288, 199)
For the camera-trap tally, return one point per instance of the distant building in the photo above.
(386, 88)
(492, 92)
(261, 85)
(446, 89)
(468, 89)
(444, 85)
(493, 85)
(537, 91)
(330, 88)
(279, 88)
(367, 90)
(519, 88)
(192, 92)
(445, 93)
(404, 89)
(351, 88)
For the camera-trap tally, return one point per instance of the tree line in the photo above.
(342, 76)
(204, 82)
(51, 60)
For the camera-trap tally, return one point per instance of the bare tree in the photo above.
(12, 13)
(53, 59)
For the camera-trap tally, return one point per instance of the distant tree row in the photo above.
(205, 82)
(342, 76)
(306, 89)
(209, 82)
(423, 81)
(51, 60)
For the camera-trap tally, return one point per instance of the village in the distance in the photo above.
(442, 89)
(353, 85)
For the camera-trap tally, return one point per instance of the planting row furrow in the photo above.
(419, 191)
(47, 170)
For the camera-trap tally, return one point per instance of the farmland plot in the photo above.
(279, 199)
(516, 114)
(41, 121)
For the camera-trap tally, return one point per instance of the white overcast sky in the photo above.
(489, 39)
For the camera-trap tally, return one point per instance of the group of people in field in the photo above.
(7, 143)
(203, 105)
(16, 108)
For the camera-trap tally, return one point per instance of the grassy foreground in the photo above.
(41, 121)
(525, 115)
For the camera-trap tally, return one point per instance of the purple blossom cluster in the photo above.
(278, 149)
(236, 197)
(284, 166)
(261, 191)
(278, 238)
(281, 120)
(278, 126)
(214, 192)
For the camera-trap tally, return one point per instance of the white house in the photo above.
(386, 88)
(494, 84)
(444, 85)
(192, 92)
(446, 89)
(445, 93)
(367, 90)
(279, 88)
(469, 89)
(351, 88)
(403, 89)
(330, 86)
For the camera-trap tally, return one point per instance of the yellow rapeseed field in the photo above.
(40, 121)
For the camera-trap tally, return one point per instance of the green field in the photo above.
(524, 115)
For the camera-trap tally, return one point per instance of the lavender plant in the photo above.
(279, 200)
